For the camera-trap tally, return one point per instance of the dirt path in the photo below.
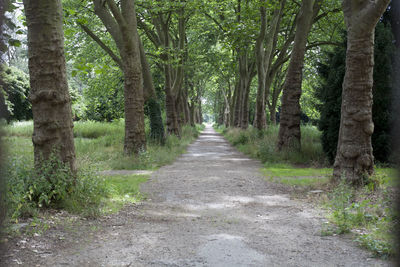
(210, 208)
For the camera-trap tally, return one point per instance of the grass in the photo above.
(262, 145)
(366, 212)
(123, 189)
(99, 146)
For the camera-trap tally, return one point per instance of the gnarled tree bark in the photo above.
(289, 130)
(51, 104)
(354, 158)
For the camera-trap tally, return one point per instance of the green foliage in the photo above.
(104, 99)
(381, 247)
(15, 86)
(369, 212)
(329, 94)
(52, 185)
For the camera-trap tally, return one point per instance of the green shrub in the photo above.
(51, 185)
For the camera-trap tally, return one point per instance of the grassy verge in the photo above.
(261, 145)
(98, 147)
(366, 212)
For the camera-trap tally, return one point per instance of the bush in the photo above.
(52, 185)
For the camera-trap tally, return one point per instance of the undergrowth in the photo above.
(367, 212)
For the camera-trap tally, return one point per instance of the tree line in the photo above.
(174, 56)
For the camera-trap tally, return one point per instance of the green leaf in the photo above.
(14, 42)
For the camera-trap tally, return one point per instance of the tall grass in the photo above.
(262, 145)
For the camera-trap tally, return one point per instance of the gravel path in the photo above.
(211, 208)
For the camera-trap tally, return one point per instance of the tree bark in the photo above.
(51, 104)
(157, 132)
(354, 159)
(260, 121)
(289, 130)
(237, 103)
(120, 22)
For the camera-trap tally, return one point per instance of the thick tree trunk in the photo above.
(354, 159)
(3, 112)
(120, 22)
(135, 138)
(289, 130)
(51, 105)
(172, 114)
(192, 115)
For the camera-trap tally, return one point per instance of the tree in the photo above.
(330, 94)
(289, 130)
(157, 23)
(264, 58)
(354, 158)
(51, 105)
(121, 23)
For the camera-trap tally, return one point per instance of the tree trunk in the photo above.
(157, 132)
(135, 138)
(289, 130)
(200, 112)
(272, 113)
(237, 104)
(192, 115)
(245, 105)
(263, 60)
(354, 158)
(172, 114)
(120, 22)
(51, 104)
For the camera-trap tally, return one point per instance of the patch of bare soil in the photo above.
(212, 207)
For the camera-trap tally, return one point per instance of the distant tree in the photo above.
(354, 158)
(51, 104)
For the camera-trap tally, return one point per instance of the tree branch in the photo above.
(116, 12)
(108, 21)
(215, 21)
(101, 44)
(316, 44)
